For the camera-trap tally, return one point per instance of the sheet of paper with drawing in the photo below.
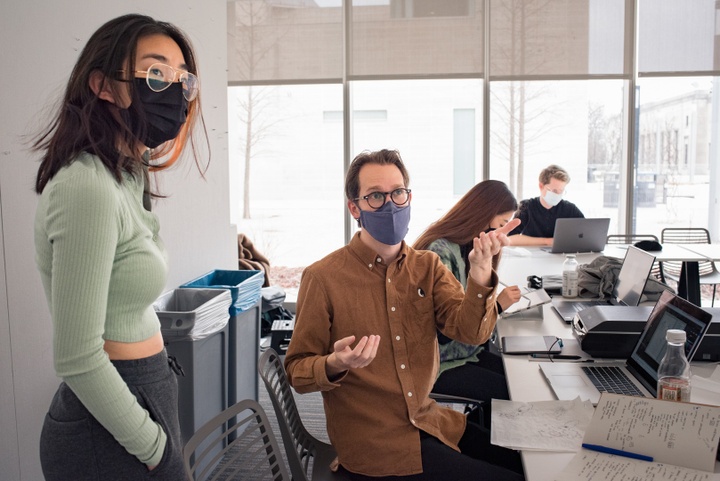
(681, 438)
(534, 426)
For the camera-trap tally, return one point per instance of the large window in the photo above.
(619, 92)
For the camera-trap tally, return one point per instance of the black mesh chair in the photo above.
(309, 458)
(245, 450)
(709, 274)
(656, 270)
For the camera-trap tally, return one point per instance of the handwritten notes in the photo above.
(683, 434)
(589, 465)
(681, 437)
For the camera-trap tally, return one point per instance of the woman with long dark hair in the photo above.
(130, 108)
(465, 370)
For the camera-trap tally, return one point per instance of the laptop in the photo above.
(638, 375)
(627, 290)
(580, 235)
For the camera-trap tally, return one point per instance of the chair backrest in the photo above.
(630, 238)
(686, 235)
(308, 457)
(246, 450)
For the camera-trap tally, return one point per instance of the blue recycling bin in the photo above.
(244, 327)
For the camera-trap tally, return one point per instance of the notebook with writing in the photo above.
(587, 380)
(573, 235)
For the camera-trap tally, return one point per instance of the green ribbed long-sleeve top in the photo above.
(102, 266)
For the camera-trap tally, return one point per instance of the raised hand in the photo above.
(485, 247)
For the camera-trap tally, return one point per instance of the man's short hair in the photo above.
(382, 157)
(554, 172)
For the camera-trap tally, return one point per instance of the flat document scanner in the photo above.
(610, 331)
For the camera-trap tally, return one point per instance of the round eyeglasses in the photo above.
(160, 76)
(377, 199)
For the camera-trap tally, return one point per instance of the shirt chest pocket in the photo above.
(420, 324)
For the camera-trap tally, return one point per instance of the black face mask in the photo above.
(164, 113)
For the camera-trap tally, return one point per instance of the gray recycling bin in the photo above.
(194, 324)
(244, 327)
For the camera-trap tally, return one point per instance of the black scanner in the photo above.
(613, 332)
(610, 331)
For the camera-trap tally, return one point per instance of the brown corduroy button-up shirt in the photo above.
(374, 414)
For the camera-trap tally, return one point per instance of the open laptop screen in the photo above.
(670, 312)
(629, 286)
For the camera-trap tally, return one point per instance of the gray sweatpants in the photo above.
(74, 446)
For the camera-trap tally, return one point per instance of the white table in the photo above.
(525, 382)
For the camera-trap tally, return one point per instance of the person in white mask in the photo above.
(538, 215)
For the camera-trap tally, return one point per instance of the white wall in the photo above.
(39, 44)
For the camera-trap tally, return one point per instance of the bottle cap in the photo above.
(572, 256)
(676, 336)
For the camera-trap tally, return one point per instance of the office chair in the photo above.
(656, 270)
(209, 455)
(709, 274)
(308, 457)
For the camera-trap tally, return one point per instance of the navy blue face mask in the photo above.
(164, 112)
(389, 224)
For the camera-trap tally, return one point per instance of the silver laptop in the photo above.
(580, 235)
(627, 290)
(639, 373)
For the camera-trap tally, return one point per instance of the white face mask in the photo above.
(552, 198)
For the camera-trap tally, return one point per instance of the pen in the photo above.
(619, 452)
(558, 356)
(505, 285)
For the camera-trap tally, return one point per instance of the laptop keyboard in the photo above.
(611, 379)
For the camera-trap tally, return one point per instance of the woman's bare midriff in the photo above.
(128, 351)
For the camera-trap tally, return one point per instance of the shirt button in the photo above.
(397, 338)
(370, 265)
(479, 296)
(378, 259)
(412, 421)
(402, 366)
(389, 280)
(392, 309)
(410, 394)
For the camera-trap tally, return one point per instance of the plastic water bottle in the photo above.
(570, 276)
(674, 369)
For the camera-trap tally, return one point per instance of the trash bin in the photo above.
(244, 327)
(194, 324)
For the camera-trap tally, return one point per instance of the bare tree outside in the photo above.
(517, 103)
(258, 112)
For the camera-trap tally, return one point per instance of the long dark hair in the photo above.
(85, 123)
(471, 215)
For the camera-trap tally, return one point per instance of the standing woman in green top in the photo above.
(471, 371)
(129, 108)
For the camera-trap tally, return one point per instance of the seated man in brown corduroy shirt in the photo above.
(390, 298)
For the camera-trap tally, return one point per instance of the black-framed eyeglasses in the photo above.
(160, 76)
(377, 199)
